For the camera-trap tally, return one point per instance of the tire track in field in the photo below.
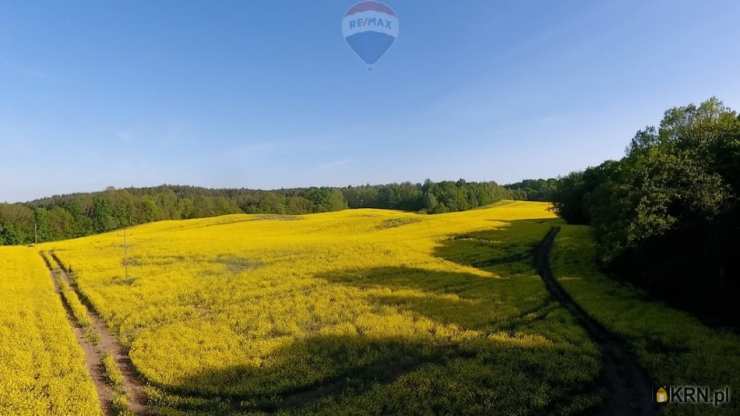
(93, 358)
(628, 388)
(133, 385)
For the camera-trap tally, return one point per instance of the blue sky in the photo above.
(267, 94)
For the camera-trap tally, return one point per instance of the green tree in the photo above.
(102, 214)
(667, 213)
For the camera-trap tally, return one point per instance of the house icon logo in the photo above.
(661, 395)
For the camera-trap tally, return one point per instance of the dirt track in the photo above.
(107, 344)
(629, 391)
(93, 357)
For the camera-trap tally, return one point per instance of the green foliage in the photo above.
(534, 189)
(326, 199)
(77, 215)
(16, 224)
(102, 214)
(430, 197)
(667, 212)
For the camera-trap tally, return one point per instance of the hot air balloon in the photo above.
(370, 28)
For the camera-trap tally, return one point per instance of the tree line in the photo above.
(534, 189)
(665, 216)
(76, 215)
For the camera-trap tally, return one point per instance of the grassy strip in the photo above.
(112, 372)
(673, 346)
(116, 381)
(119, 404)
(78, 309)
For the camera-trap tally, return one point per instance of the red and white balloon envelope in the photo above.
(370, 28)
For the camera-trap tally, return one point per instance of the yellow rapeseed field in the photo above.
(355, 312)
(42, 368)
(360, 311)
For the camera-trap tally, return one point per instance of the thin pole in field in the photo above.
(125, 254)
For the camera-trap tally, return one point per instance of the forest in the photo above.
(77, 215)
(665, 217)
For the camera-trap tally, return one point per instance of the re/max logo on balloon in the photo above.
(370, 28)
(369, 22)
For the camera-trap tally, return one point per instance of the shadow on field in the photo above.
(463, 299)
(524, 356)
(506, 250)
(364, 375)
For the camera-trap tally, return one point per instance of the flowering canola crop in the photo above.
(353, 312)
(42, 368)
